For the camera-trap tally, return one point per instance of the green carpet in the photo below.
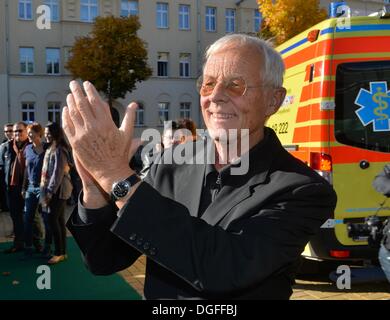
(70, 280)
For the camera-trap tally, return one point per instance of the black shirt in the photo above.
(213, 182)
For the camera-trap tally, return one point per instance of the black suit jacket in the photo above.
(245, 245)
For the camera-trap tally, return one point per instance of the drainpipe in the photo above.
(199, 58)
(7, 59)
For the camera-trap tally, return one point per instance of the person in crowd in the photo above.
(13, 162)
(9, 134)
(55, 188)
(168, 138)
(210, 230)
(33, 153)
(381, 184)
(186, 130)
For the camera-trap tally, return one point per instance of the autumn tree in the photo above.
(284, 19)
(112, 57)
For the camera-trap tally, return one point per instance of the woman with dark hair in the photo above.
(55, 188)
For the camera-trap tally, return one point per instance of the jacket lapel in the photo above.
(229, 197)
(241, 187)
(189, 196)
(191, 176)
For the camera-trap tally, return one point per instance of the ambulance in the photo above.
(336, 119)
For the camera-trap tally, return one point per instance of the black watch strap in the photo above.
(132, 180)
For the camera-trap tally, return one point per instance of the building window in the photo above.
(162, 15)
(256, 21)
(54, 111)
(162, 64)
(185, 110)
(184, 17)
(28, 112)
(52, 61)
(129, 8)
(230, 18)
(26, 60)
(211, 14)
(54, 10)
(163, 112)
(139, 115)
(89, 10)
(25, 9)
(185, 59)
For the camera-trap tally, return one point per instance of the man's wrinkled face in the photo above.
(222, 109)
(20, 133)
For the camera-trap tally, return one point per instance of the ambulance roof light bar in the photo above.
(385, 12)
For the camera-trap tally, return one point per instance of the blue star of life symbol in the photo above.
(375, 106)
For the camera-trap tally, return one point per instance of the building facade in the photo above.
(34, 81)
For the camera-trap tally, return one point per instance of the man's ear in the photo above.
(275, 101)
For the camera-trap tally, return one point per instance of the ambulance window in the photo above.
(362, 112)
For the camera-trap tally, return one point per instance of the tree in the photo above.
(112, 57)
(284, 19)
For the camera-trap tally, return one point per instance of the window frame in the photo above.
(257, 20)
(52, 63)
(28, 111)
(56, 5)
(25, 4)
(140, 114)
(27, 62)
(162, 112)
(184, 16)
(185, 110)
(230, 20)
(166, 62)
(89, 4)
(185, 65)
(211, 18)
(160, 13)
(52, 110)
(128, 8)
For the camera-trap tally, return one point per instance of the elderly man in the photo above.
(206, 232)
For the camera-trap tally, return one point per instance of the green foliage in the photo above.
(112, 57)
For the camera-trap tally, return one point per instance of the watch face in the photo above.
(121, 189)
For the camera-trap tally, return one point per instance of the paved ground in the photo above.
(308, 287)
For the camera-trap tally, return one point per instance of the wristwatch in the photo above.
(121, 189)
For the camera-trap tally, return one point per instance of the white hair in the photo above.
(273, 66)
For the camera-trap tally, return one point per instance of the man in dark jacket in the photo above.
(9, 134)
(12, 160)
(233, 228)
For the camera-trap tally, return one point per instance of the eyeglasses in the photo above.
(234, 87)
(18, 131)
